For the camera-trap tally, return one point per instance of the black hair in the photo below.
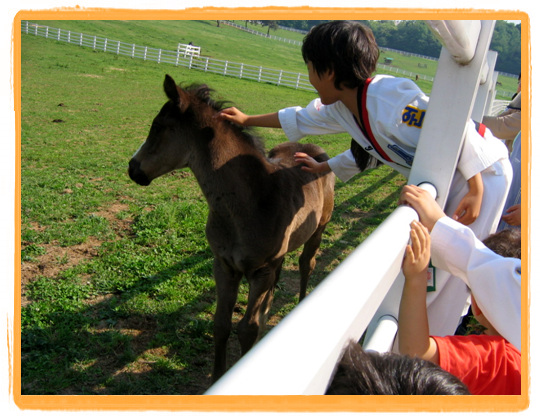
(362, 372)
(348, 48)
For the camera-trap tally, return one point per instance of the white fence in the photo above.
(179, 57)
(188, 49)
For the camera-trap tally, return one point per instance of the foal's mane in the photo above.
(204, 93)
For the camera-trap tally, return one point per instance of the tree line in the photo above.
(414, 36)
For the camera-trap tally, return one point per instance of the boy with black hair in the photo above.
(384, 116)
(362, 372)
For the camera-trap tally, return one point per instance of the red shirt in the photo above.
(486, 364)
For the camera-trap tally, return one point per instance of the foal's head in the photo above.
(181, 125)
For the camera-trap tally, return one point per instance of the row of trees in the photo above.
(415, 36)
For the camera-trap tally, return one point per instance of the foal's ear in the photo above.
(171, 90)
(175, 93)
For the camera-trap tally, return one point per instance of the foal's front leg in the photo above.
(227, 282)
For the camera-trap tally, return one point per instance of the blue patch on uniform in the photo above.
(407, 157)
(413, 116)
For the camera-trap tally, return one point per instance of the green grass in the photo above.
(118, 294)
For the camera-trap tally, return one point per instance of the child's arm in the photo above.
(495, 280)
(234, 115)
(468, 209)
(413, 334)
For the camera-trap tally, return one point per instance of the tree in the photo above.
(272, 24)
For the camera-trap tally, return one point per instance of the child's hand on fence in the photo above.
(423, 203)
(417, 254)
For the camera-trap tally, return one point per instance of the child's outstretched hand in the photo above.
(417, 254)
(233, 115)
(310, 164)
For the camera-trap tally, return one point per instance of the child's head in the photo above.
(347, 48)
(506, 243)
(369, 373)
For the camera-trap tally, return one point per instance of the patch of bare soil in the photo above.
(57, 259)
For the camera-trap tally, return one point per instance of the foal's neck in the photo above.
(233, 168)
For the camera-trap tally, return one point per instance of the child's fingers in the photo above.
(420, 241)
(416, 246)
(422, 234)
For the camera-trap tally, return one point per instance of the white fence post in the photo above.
(484, 97)
(451, 101)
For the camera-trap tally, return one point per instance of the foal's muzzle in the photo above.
(136, 174)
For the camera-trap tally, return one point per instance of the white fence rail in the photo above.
(179, 57)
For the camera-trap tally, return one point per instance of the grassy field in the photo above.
(117, 288)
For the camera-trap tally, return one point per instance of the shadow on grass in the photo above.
(101, 347)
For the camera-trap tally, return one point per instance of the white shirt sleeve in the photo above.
(315, 119)
(495, 281)
(344, 165)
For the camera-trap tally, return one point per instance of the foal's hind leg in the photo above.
(261, 293)
(307, 259)
(227, 282)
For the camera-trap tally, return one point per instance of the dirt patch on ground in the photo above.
(58, 259)
(121, 226)
(55, 260)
